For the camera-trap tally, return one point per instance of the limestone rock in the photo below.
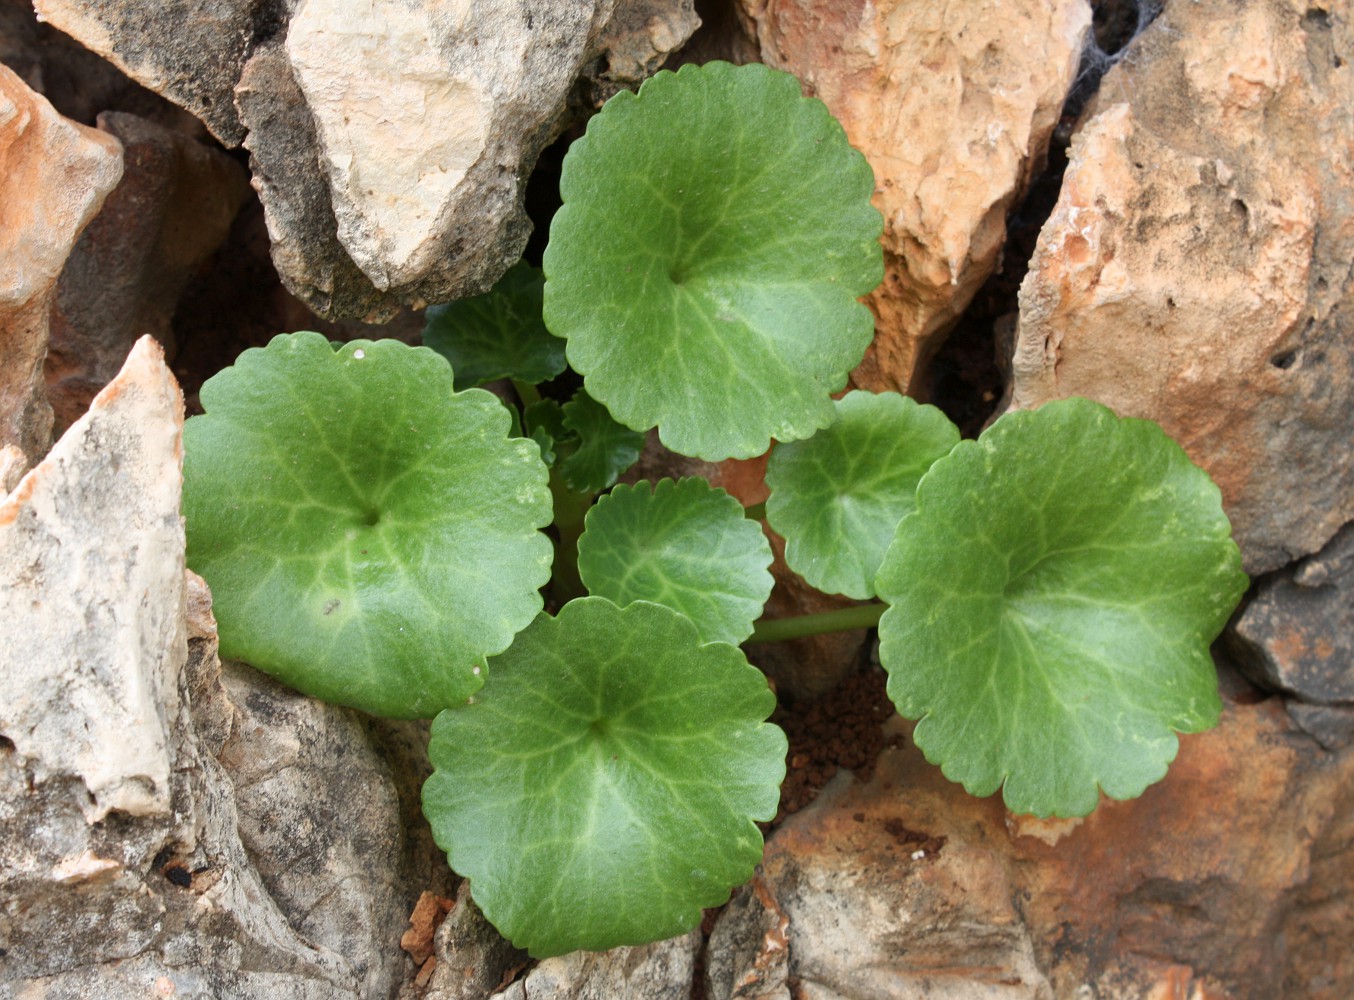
(172, 829)
(191, 51)
(54, 174)
(391, 140)
(472, 960)
(1196, 267)
(953, 105)
(93, 536)
(634, 42)
(305, 247)
(1225, 879)
(660, 971)
(424, 114)
(747, 957)
(171, 210)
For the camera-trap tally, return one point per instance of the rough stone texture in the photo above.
(1196, 267)
(191, 51)
(747, 956)
(168, 214)
(54, 174)
(633, 44)
(391, 140)
(953, 105)
(1297, 636)
(472, 960)
(92, 536)
(660, 971)
(297, 210)
(171, 825)
(1232, 878)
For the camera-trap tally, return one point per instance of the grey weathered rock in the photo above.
(191, 51)
(391, 140)
(747, 957)
(295, 194)
(171, 210)
(54, 174)
(660, 971)
(634, 42)
(1196, 267)
(1297, 633)
(472, 959)
(170, 826)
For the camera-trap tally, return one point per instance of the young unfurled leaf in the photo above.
(682, 544)
(715, 234)
(604, 450)
(601, 788)
(497, 335)
(369, 536)
(543, 422)
(837, 497)
(1053, 597)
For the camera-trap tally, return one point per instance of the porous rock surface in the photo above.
(953, 106)
(1216, 883)
(391, 140)
(54, 175)
(1196, 267)
(174, 827)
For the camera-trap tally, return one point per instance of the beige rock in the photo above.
(426, 115)
(953, 105)
(391, 139)
(54, 175)
(1196, 268)
(116, 567)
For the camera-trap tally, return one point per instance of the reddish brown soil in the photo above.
(842, 729)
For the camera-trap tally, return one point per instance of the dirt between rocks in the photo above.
(841, 729)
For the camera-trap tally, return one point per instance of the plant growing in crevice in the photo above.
(369, 522)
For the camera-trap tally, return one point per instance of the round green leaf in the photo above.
(837, 497)
(497, 335)
(602, 787)
(368, 536)
(715, 234)
(605, 448)
(685, 545)
(1053, 598)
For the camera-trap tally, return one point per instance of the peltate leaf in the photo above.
(715, 235)
(605, 448)
(682, 544)
(1052, 599)
(837, 497)
(497, 335)
(602, 787)
(368, 536)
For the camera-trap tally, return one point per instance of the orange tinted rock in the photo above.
(1223, 880)
(54, 175)
(953, 105)
(1196, 268)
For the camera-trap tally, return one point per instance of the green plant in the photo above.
(368, 522)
